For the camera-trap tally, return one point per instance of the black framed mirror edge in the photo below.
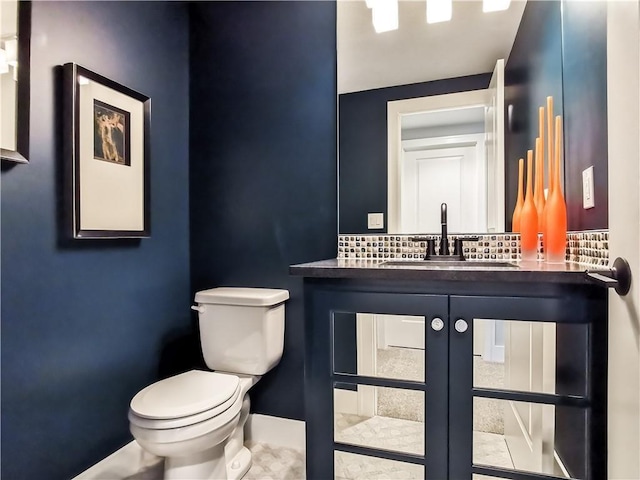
(21, 154)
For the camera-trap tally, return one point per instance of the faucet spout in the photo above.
(444, 240)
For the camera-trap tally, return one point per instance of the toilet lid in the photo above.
(186, 394)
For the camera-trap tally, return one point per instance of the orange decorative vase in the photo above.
(515, 220)
(538, 195)
(550, 147)
(556, 213)
(529, 219)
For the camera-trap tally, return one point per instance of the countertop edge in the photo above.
(331, 269)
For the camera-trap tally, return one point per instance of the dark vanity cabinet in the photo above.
(556, 333)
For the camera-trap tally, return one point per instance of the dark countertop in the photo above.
(472, 272)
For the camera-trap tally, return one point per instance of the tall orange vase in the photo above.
(550, 147)
(538, 195)
(556, 235)
(515, 220)
(529, 218)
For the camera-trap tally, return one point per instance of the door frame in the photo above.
(395, 110)
(623, 121)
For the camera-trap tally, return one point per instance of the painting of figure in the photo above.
(111, 133)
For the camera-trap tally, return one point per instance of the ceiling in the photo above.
(417, 51)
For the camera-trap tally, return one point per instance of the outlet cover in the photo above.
(376, 221)
(588, 200)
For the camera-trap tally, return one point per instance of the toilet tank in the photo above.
(241, 329)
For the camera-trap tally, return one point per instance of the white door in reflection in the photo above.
(400, 331)
(449, 170)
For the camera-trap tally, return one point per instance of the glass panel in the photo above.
(349, 466)
(526, 356)
(529, 436)
(386, 346)
(380, 417)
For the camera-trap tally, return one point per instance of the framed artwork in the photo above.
(106, 150)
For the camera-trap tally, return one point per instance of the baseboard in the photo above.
(124, 463)
(132, 460)
(281, 432)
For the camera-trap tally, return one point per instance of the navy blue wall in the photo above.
(86, 325)
(532, 73)
(584, 79)
(560, 50)
(263, 160)
(363, 144)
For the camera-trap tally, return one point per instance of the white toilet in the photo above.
(196, 419)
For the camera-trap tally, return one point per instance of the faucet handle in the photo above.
(431, 248)
(417, 238)
(457, 247)
(457, 244)
(469, 238)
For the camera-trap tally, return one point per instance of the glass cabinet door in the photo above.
(388, 384)
(524, 400)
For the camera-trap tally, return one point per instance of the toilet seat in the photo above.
(185, 399)
(220, 425)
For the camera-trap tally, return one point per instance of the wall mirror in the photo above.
(15, 33)
(421, 149)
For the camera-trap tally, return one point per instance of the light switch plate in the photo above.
(376, 221)
(588, 200)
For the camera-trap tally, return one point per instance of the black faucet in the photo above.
(444, 254)
(444, 240)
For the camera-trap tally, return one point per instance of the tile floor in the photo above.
(275, 463)
(280, 463)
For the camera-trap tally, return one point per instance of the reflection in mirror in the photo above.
(373, 345)
(442, 155)
(532, 444)
(377, 70)
(379, 417)
(350, 466)
(15, 20)
(522, 356)
(8, 72)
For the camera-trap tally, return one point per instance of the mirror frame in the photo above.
(21, 154)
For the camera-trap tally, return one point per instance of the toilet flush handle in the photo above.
(198, 308)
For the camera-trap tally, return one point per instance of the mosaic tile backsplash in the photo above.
(589, 248)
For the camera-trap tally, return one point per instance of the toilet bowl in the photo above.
(196, 419)
(188, 419)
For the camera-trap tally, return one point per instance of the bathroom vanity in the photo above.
(409, 396)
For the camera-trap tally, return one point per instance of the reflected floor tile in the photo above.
(358, 467)
(380, 432)
(491, 449)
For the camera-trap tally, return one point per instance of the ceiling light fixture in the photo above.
(438, 11)
(384, 14)
(495, 5)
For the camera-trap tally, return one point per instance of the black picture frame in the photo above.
(106, 150)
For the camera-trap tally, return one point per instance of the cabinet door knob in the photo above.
(461, 325)
(437, 324)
